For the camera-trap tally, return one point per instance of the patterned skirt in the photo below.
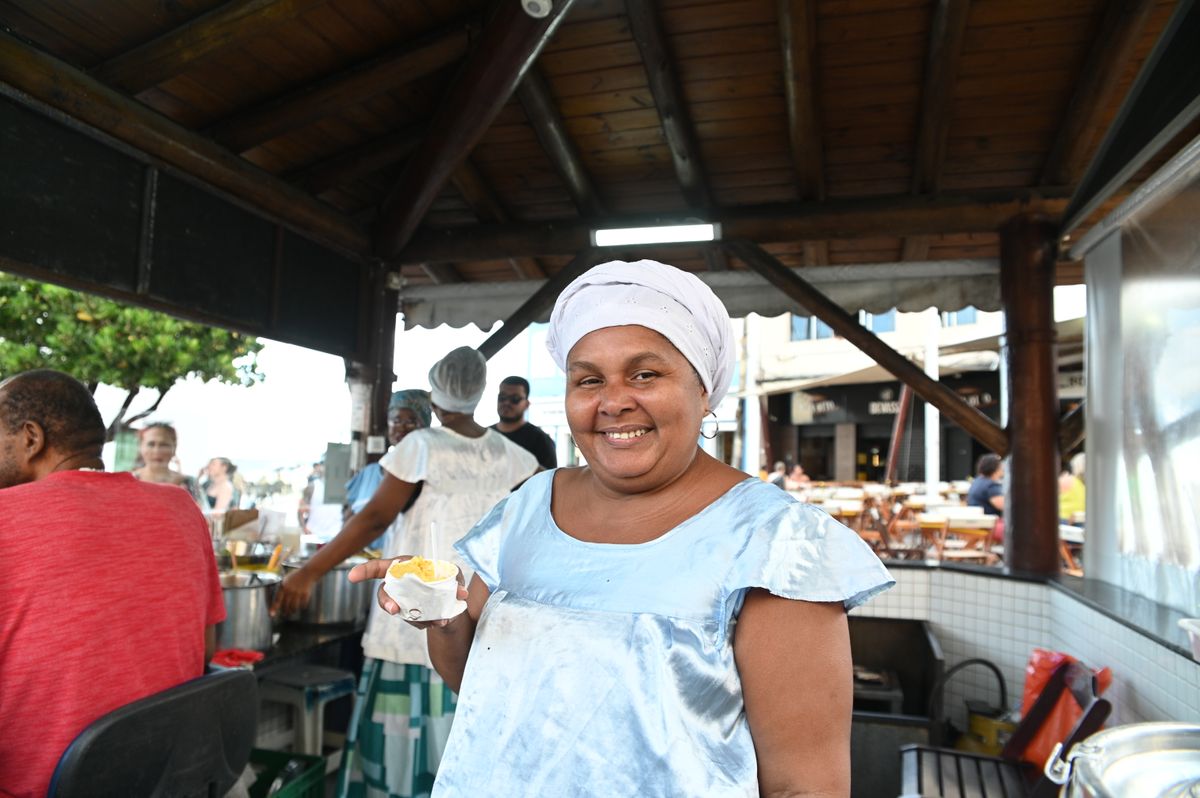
(404, 714)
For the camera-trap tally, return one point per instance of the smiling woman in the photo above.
(632, 625)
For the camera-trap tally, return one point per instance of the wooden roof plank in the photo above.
(175, 50)
(299, 107)
(508, 45)
(1120, 30)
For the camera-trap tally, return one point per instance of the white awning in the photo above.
(875, 288)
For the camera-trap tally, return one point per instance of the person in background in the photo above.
(138, 630)
(512, 403)
(466, 468)
(986, 490)
(407, 411)
(796, 479)
(157, 442)
(1072, 495)
(220, 492)
(779, 474)
(632, 624)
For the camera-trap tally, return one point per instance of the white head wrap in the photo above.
(458, 379)
(670, 301)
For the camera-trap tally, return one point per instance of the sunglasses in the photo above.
(510, 398)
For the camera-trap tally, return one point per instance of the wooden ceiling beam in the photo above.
(1111, 51)
(798, 41)
(475, 189)
(946, 34)
(509, 44)
(86, 100)
(356, 162)
(538, 104)
(173, 52)
(647, 31)
(265, 121)
(849, 219)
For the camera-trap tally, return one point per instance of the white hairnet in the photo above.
(670, 301)
(458, 379)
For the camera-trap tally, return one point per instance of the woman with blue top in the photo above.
(655, 623)
(407, 411)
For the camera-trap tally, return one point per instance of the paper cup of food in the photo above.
(426, 590)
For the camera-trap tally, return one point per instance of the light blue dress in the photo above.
(608, 669)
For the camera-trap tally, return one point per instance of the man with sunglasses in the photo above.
(511, 405)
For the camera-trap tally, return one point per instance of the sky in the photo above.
(303, 403)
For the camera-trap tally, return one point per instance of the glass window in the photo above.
(800, 327)
(879, 322)
(957, 318)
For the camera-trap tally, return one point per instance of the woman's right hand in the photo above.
(377, 569)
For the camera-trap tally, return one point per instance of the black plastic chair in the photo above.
(190, 740)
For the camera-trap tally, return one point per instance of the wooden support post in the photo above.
(893, 455)
(536, 305)
(1027, 256)
(976, 424)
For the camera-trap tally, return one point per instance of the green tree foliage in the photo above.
(99, 340)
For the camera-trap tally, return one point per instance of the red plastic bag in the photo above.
(1066, 712)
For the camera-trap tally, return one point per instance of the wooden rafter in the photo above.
(937, 97)
(548, 125)
(798, 40)
(544, 298)
(976, 424)
(509, 44)
(475, 189)
(1112, 48)
(858, 218)
(83, 98)
(441, 273)
(798, 43)
(647, 30)
(171, 53)
(355, 162)
(351, 87)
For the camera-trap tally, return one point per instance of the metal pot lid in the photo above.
(1146, 760)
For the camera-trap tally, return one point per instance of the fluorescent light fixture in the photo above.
(668, 234)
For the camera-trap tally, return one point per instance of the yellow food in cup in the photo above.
(422, 568)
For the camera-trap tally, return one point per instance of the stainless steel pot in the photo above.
(1141, 760)
(247, 623)
(335, 599)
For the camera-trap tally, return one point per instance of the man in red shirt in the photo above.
(133, 561)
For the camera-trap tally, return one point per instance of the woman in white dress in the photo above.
(466, 468)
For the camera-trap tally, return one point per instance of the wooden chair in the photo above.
(932, 771)
(973, 533)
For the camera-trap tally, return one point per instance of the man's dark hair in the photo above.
(524, 383)
(60, 404)
(988, 464)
